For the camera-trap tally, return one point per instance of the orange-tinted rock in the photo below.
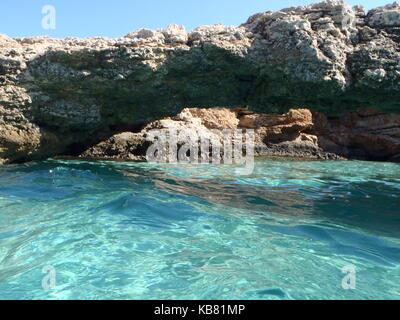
(212, 118)
(364, 133)
(377, 145)
(277, 135)
(298, 118)
(361, 134)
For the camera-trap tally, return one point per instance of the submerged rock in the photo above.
(58, 95)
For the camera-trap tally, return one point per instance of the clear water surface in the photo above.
(146, 231)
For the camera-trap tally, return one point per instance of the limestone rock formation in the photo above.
(300, 133)
(275, 135)
(361, 134)
(60, 96)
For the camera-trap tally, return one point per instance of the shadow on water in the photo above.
(365, 205)
(348, 217)
(370, 205)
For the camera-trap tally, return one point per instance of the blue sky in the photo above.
(115, 18)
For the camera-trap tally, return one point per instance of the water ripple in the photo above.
(146, 231)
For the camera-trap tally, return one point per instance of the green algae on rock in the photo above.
(62, 96)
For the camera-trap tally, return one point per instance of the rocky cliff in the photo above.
(62, 96)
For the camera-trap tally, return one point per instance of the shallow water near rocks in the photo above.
(149, 231)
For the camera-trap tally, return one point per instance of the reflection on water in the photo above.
(147, 231)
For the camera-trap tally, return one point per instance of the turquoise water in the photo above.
(146, 231)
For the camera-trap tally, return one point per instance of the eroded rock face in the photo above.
(127, 146)
(361, 134)
(275, 135)
(384, 17)
(216, 118)
(189, 126)
(58, 94)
